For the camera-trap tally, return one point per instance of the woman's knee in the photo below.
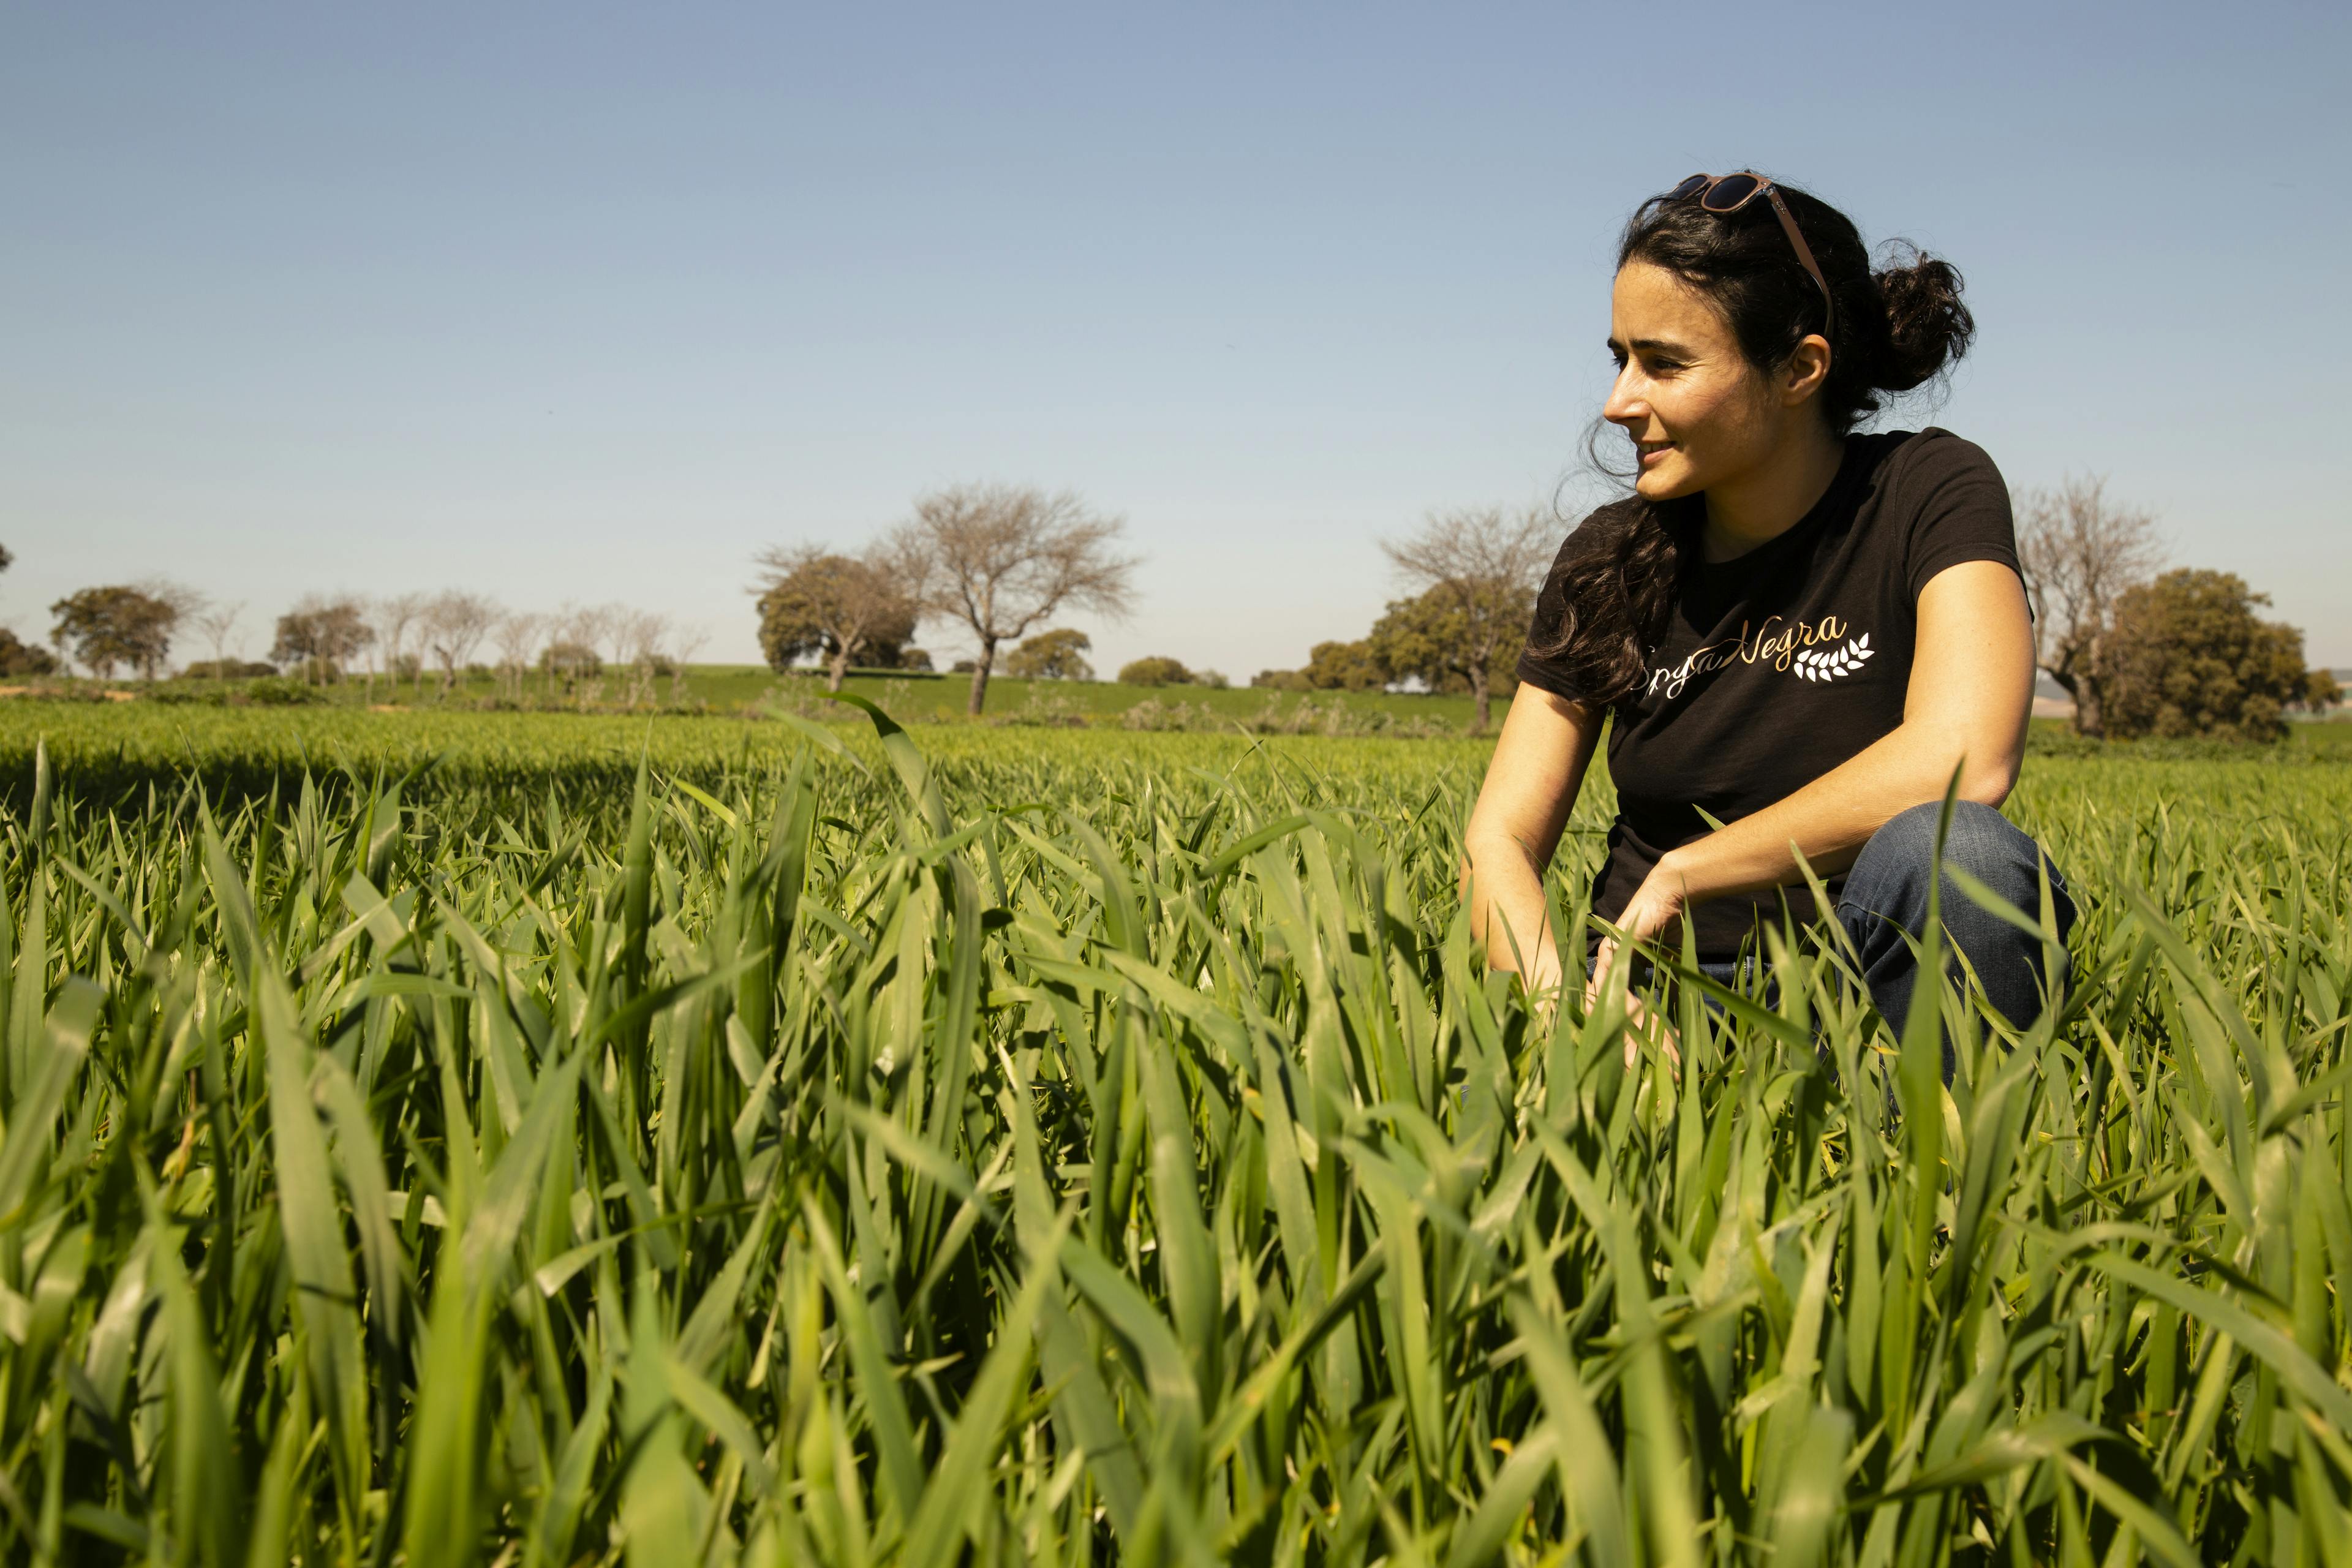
(1893, 881)
(1895, 867)
(1900, 857)
(1905, 842)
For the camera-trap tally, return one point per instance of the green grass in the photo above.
(1028, 1145)
(114, 747)
(934, 698)
(735, 689)
(113, 750)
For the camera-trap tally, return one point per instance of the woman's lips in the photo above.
(1650, 453)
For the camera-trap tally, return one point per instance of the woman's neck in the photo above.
(1772, 497)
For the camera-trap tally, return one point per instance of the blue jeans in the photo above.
(1885, 896)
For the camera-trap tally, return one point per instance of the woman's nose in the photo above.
(1622, 404)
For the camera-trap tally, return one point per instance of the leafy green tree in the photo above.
(2189, 656)
(20, 658)
(1057, 655)
(1155, 670)
(1425, 638)
(318, 638)
(847, 609)
(2322, 691)
(115, 624)
(1476, 570)
(1344, 666)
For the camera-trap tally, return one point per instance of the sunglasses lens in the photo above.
(1688, 188)
(1729, 193)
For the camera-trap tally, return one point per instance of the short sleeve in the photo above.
(1546, 671)
(1959, 504)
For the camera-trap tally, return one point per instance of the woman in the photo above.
(1799, 631)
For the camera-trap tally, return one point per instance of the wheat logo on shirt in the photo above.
(1828, 664)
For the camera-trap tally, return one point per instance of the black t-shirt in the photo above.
(1780, 664)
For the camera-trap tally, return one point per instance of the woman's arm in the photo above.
(1531, 784)
(1970, 693)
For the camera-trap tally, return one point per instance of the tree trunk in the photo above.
(1479, 694)
(2089, 719)
(2090, 709)
(2091, 702)
(980, 669)
(839, 667)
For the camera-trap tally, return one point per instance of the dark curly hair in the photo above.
(1897, 326)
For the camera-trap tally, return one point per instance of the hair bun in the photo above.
(1927, 327)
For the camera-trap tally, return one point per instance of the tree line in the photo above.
(996, 561)
(2141, 650)
(427, 640)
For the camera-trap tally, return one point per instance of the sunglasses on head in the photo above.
(1726, 193)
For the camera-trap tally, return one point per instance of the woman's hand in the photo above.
(1656, 905)
(1531, 785)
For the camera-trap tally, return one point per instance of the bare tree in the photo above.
(216, 624)
(394, 615)
(454, 624)
(577, 656)
(183, 602)
(1483, 566)
(614, 618)
(517, 638)
(2080, 552)
(841, 606)
(999, 559)
(641, 636)
(685, 645)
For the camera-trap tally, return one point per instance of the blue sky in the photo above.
(590, 302)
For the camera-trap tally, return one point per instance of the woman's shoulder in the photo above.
(1926, 459)
(1943, 497)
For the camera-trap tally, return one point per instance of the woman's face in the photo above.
(1699, 414)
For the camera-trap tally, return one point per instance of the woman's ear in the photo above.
(1808, 366)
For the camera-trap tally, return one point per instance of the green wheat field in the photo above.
(531, 1139)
